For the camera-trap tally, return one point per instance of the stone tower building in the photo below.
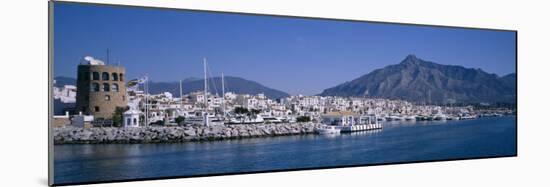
(100, 88)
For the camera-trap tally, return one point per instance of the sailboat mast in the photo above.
(181, 96)
(146, 89)
(205, 94)
(205, 84)
(223, 97)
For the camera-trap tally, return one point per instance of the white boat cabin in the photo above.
(342, 118)
(346, 118)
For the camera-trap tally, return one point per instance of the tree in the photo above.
(303, 119)
(240, 110)
(255, 111)
(180, 119)
(142, 119)
(117, 116)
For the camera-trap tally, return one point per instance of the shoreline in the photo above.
(176, 134)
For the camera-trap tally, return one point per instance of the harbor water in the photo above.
(397, 142)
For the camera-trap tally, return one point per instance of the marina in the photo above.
(213, 105)
(204, 115)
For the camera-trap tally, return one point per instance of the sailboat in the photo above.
(203, 117)
(210, 119)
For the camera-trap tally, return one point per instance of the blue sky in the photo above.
(298, 56)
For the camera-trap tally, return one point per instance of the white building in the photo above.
(67, 94)
(131, 118)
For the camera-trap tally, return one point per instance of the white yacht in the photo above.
(468, 116)
(410, 118)
(269, 119)
(328, 129)
(453, 118)
(365, 123)
(246, 120)
(440, 117)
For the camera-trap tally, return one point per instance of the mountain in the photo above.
(509, 80)
(418, 80)
(232, 84)
(61, 81)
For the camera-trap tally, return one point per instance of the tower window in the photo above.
(96, 108)
(106, 87)
(121, 77)
(114, 87)
(105, 76)
(115, 76)
(107, 97)
(95, 76)
(95, 87)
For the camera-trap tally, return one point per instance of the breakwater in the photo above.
(160, 134)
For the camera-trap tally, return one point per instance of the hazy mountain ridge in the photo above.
(422, 81)
(232, 84)
(61, 81)
(510, 80)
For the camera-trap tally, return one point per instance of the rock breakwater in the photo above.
(160, 134)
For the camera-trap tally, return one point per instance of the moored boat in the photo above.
(328, 129)
(362, 127)
(410, 118)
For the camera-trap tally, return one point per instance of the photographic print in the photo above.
(153, 93)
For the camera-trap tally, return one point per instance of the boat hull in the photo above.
(357, 128)
(328, 131)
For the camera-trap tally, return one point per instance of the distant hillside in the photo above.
(509, 80)
(61, 81)
(417, 80)
(232, 84)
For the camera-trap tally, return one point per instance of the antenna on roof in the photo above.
(108, 56)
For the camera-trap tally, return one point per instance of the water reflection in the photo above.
(419, 123)
(331, 135)
(369, 132)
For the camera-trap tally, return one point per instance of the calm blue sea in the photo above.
(397, 142)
